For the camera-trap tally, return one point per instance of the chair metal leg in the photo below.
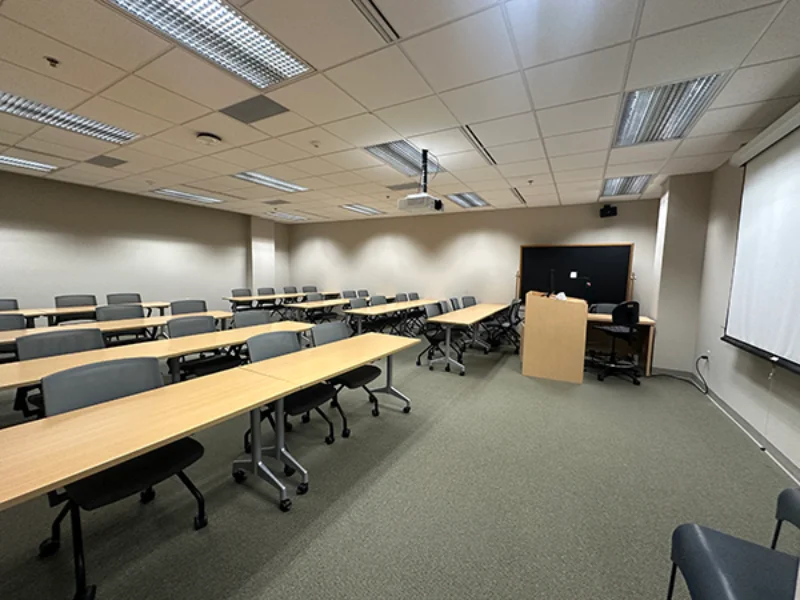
(331, 437)
(82, 591)
(672, 581)
(51, 545)
(201, 520)
(335, 404)
(776, 534)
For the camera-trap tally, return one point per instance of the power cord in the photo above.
(704, 389)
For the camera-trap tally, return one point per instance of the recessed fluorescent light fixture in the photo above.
(287, 216)
(187, 196)
(625, 186)
(364, 210)
(403, 157)
(20, 163)
(219, 33)
(49, 115)
(666, 112)
(468, 200)
(272, 182)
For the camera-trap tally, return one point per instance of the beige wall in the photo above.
(59, 238)
(462, 253)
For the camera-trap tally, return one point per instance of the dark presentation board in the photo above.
(607, 267)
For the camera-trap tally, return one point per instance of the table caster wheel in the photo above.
(302, 488)
(288, 471)
(306, 418)
(637, 382)
(285, 505)
(406, 409)
(89, 594)
(345, 433)
(447, 368)
(375, 412)
(200, 522)
(239, 476)
(462, 373)
(329, 439)
(49, 547)
(485, 352)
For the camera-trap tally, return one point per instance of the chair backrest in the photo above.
(8, 304)
(363, 293)
(88, 385)
(190, 326)
(119, 311)
(604, 308)
(514, 311)
(455, 303)
(467, 301)
(11, 322)
(401, 297)
(444, 306)
(358, 303)
(349, 294)
(123, 298)
(236, 292)
(266, 291)
(76, 300)
(56, 343)
(377, 300)
(413, 296)
(183, 307)
(314, 297)
(309, 288)
(326, 333)
(248, 318)
(626, 314)
(270, 345)
(289, 289)
(433, 310)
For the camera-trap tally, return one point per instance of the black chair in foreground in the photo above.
(185, 307)
(788, 509)
(624, 321)
(94, 384)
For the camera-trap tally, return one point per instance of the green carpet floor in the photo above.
(494, 486)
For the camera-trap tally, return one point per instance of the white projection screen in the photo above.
(764, 306)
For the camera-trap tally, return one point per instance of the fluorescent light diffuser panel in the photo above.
(403, 157)
(287, 216)
(468, 200)
(11, 161)
(625, 186)
(187, 196)
(219, 33)
(49, 115)
(666, 112)
(361, 209)
(278, 184)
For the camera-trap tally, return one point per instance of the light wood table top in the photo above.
(596, 318)
(41, 456)
(323, 362)
(321, 303)
(469, 315)
(27, 372)
(73, 310)
(110, 326)
(382, 309)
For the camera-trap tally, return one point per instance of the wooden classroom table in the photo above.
(645, 323)
(269, 297)
(464, 317)
(321, 304)
(385, 309)
(30, 372)
(51, 313)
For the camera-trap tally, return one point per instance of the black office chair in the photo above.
(123, 298)
(94, 384)
(309, 288)
(270, 305)
(9, 304)
(249, 318)
(119, 312)
(313, 297)
(207, 362)
(624, 321)
(241, 293)
(435, 335)
(70, 300)
(378, 322)
(10, 322)
(278, 343)
(352, 320)
(505, 328)
(185, 307)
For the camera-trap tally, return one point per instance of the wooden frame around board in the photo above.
(628, 289)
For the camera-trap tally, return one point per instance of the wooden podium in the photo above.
(554, 338)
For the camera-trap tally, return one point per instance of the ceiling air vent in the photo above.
(375, 17)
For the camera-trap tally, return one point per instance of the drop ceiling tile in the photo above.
(345, 178)
(353, 159)
(314, 183)
(27, 48)
(510, 153)
(709, 47)
(91, 27)
(261, 193)
(547, 30)
(282, 124)
(55, 149)
(461, 161)
(184, 73)
(577, 143)
(74, 140)
(138, 162)
(284, 172)
(315, 166)
(534, 182)
(33, 86)
(317, 99)
(580, 197)
(384, 175)
(581, 116)
(418, 117)
(652, 192)
(314, 141)
(579, 175)
(277, 151)
(452, 188)
(488, 99)
(118, 115)
(443, 142)
(166, 150)
(761, 82)
(188, 172)
(450, 56)
(538, 200)
(9, 138)
(129, 184)
(243, 158)
(501, 198)
(322, 33)
(579, 78)
(230, 130)
(413, 16)
(363, 130)
(710, 144)
(185, 137)
(12, 124)
(481, 174)
(381, 79)
(521, 169)
(643, 152)
(579, 192)
(636, 168)
(38, 157)
(442, 178)
(147, 97)
(695, 164)
(212, 165)
(781, 39)
(579, 161)
(220, 184)
(489, 185)
(168, 177)
(86, 174)
(660, 15)
(369, 188)
(506, 130)
(740, 118)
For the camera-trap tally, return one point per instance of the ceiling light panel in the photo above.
(625, 186)
(468, 200)
(361, 209)
(666, 112)
(49, 115)
(272, 182)
(219, 33)
(287, 216)
(187, 196)
(20, 163)
(403, 157)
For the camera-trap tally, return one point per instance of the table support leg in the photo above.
(174, 369)
(447, 359)
(477, 341)
(360, 323)
(389, 388)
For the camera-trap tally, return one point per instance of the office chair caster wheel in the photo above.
(462, 373)
(329, 439)
(637, 382)
(239, 476)
(302, 488)
(600, 377)
(419, 363)
(49, 547)
(345, 433)
(200, 522)
(485, 352)
(373, 399)
(406, 409)
(447, 368)
(430, 368)
(285, 505)
(88, 594)
(375, 412)
(147, 496)
(306, 418)
(288, 471)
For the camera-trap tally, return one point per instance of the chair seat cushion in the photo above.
(614, 329)
(211, 364)
(308, 399)
(135, 475)
(717, 566)
(357, 377)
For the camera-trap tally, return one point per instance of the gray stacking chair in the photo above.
(118, 312)
(278, 343)
(401, 297)
(94, 384)
(10, 322)
(349, 294)
(309, 288)
(289, 289)
(50, 343)
(208, 362)
(70, 300)
(241, 292)
(788, 509)
(313, 297)
(352, 320)
(249, 318)
(455, 303)
(266, 291)
(238, 293)
(123, 298)
(270, 305)
(413, 296)
(363, 293)
(468, 301)
(9, 304)
(184, 307)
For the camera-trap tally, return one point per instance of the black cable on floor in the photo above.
(703, 389)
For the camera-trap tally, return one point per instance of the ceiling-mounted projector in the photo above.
(421, 201)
